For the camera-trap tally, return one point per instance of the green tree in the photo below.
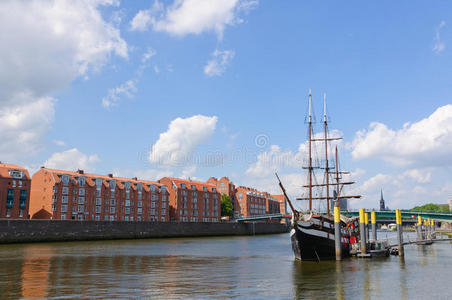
(226, 206)
(431, 207)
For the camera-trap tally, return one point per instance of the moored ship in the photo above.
(313, 232)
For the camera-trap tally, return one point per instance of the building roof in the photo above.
(90, 178)
(6, 168)
(189, 183)
(280, 198)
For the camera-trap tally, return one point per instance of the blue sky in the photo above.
(153, 88)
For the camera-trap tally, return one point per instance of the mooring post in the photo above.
(433, 229)
(337, 232)
(366, 219)
(362, 230)
(399, 231)
(419, 228)
(373, 218)
(429, 229)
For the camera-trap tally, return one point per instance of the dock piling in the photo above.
(337, 232)
(366, 219)
(399, 231)
(373, 218)
(362, 230)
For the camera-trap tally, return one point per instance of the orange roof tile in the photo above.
(5, 168)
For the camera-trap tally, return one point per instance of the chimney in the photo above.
(80, 171)
(134, 178)
(110, 175)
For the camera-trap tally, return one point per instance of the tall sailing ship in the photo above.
(313, 232)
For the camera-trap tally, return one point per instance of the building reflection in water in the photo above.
(35, 271)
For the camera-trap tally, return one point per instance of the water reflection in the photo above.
(243, 267)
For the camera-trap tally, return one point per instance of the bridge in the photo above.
(263, 217)
(407, 214)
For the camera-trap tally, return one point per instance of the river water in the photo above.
(252, 267)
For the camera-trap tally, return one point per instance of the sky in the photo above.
(201, 88)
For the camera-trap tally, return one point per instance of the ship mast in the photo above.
(325, 126)
(310, 154)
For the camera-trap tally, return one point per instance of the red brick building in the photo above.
(282, 203)
(15, 186)
(66, 195)
(192, 201)
(250, 202)
(272, 204)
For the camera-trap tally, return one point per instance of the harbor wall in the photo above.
(25, 231)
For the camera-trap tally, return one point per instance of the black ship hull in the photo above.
(314, 240)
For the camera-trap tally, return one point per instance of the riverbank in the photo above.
(28, 231)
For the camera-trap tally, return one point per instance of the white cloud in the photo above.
(274, 160)
(46, 45)
(72, 160)
(156, 69)
(404, 190)
(439, 45)
(114, 96)
(59, 143)
(192, 16)
(147, 55)
(189, 172)
(129, 88)
(218, 63)
(176, 146)
(23, 128)
(424, 143)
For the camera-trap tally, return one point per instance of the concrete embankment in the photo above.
(25, 231)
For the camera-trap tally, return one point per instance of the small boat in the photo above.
(384, 227)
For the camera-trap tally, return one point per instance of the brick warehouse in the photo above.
(65, 195)
(15, 187)
(192, 201)
(248, 201)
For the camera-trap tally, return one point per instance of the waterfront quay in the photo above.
(244, 267)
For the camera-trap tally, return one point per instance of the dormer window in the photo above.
(182, 185)
(16, 174)
(127, 185)
(214, 190)
(193, 187)
(204, 189)
(65, 179)
(81, 181)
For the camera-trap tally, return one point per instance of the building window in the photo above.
(139, 211)
(140, 203)
(112, 202)
(106, 218)
(64, 199)
(65, 190)
(80, 208)
(81, 200)
(126, 218)
(80, 217)
(112, 210)
(64, 208)
(81, 192)
(98, 209)
(127, 210)
(97, 217)
(10, 199)
(153, 212)
(163, 211)
(163, 219)
(127, 202)
(63, 217)
(53, 207)
(98, 201)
